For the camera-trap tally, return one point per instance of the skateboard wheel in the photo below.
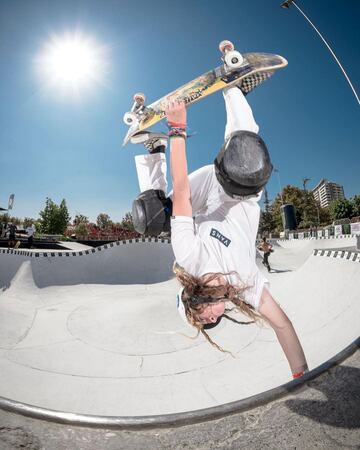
(139, 98)
(226, 46)
(233, 59)
(129, 118)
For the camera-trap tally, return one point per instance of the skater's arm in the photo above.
(186, 244)
(181, 185)
(200, 185)
(285, 333)
(176, 113)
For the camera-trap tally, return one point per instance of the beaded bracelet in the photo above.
(177, 132)
(176, 129)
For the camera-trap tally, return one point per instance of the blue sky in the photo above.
(64, 147)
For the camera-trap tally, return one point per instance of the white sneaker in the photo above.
(152, 141)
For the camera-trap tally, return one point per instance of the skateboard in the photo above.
(247, 71)
(17, 245)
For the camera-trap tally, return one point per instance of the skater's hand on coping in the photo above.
(176, 112)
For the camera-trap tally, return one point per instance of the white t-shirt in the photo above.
(30, 231)
(222, 236)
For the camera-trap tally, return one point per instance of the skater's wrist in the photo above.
(172, 124)
(174, 136)
(300, 373)
(177, 132)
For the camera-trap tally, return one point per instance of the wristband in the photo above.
(298, 375)
(171, 124)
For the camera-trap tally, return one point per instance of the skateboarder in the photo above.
(215, 216)
(267, 248)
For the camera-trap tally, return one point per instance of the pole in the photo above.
(281, 196)
(305, 180)
(286, 5)
(282, 200)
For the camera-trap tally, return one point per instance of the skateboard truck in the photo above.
(144, 136)
(231, 57)
(130, 117)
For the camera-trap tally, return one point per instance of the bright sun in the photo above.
(72, 63)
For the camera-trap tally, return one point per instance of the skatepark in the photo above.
(93, 336)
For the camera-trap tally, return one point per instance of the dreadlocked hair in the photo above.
(203, 287)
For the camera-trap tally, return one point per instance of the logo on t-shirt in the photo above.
(220, 237)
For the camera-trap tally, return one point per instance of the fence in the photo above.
(340, 228)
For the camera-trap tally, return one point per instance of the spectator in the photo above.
(12, 232)
(30, 231)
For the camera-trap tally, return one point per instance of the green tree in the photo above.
(29, 221)
(341, 208)
(304, 203)
(81, 231)
(289, 194)
(64, 216)
(79, 218)
(103, 221)
(266, 201)
(355, 202)
(324, 216)
(267, 223)
(54, 218)
(4, 218)
(127, 222)
(309, 211)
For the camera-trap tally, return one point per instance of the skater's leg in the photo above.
(243, 164)
(238, 112)
(151, 210)
(239, 117)
(151, 171)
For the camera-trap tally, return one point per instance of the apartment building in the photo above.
(326, 192)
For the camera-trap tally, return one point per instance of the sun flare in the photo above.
(72, 63)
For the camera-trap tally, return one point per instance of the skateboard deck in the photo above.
(255, 68)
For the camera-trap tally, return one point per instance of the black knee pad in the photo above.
(151, 212)
(243, 164)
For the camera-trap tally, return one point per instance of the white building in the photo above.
(326, 192)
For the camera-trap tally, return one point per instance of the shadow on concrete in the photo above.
(341, 408)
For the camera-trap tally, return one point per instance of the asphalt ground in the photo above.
(323, 414)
